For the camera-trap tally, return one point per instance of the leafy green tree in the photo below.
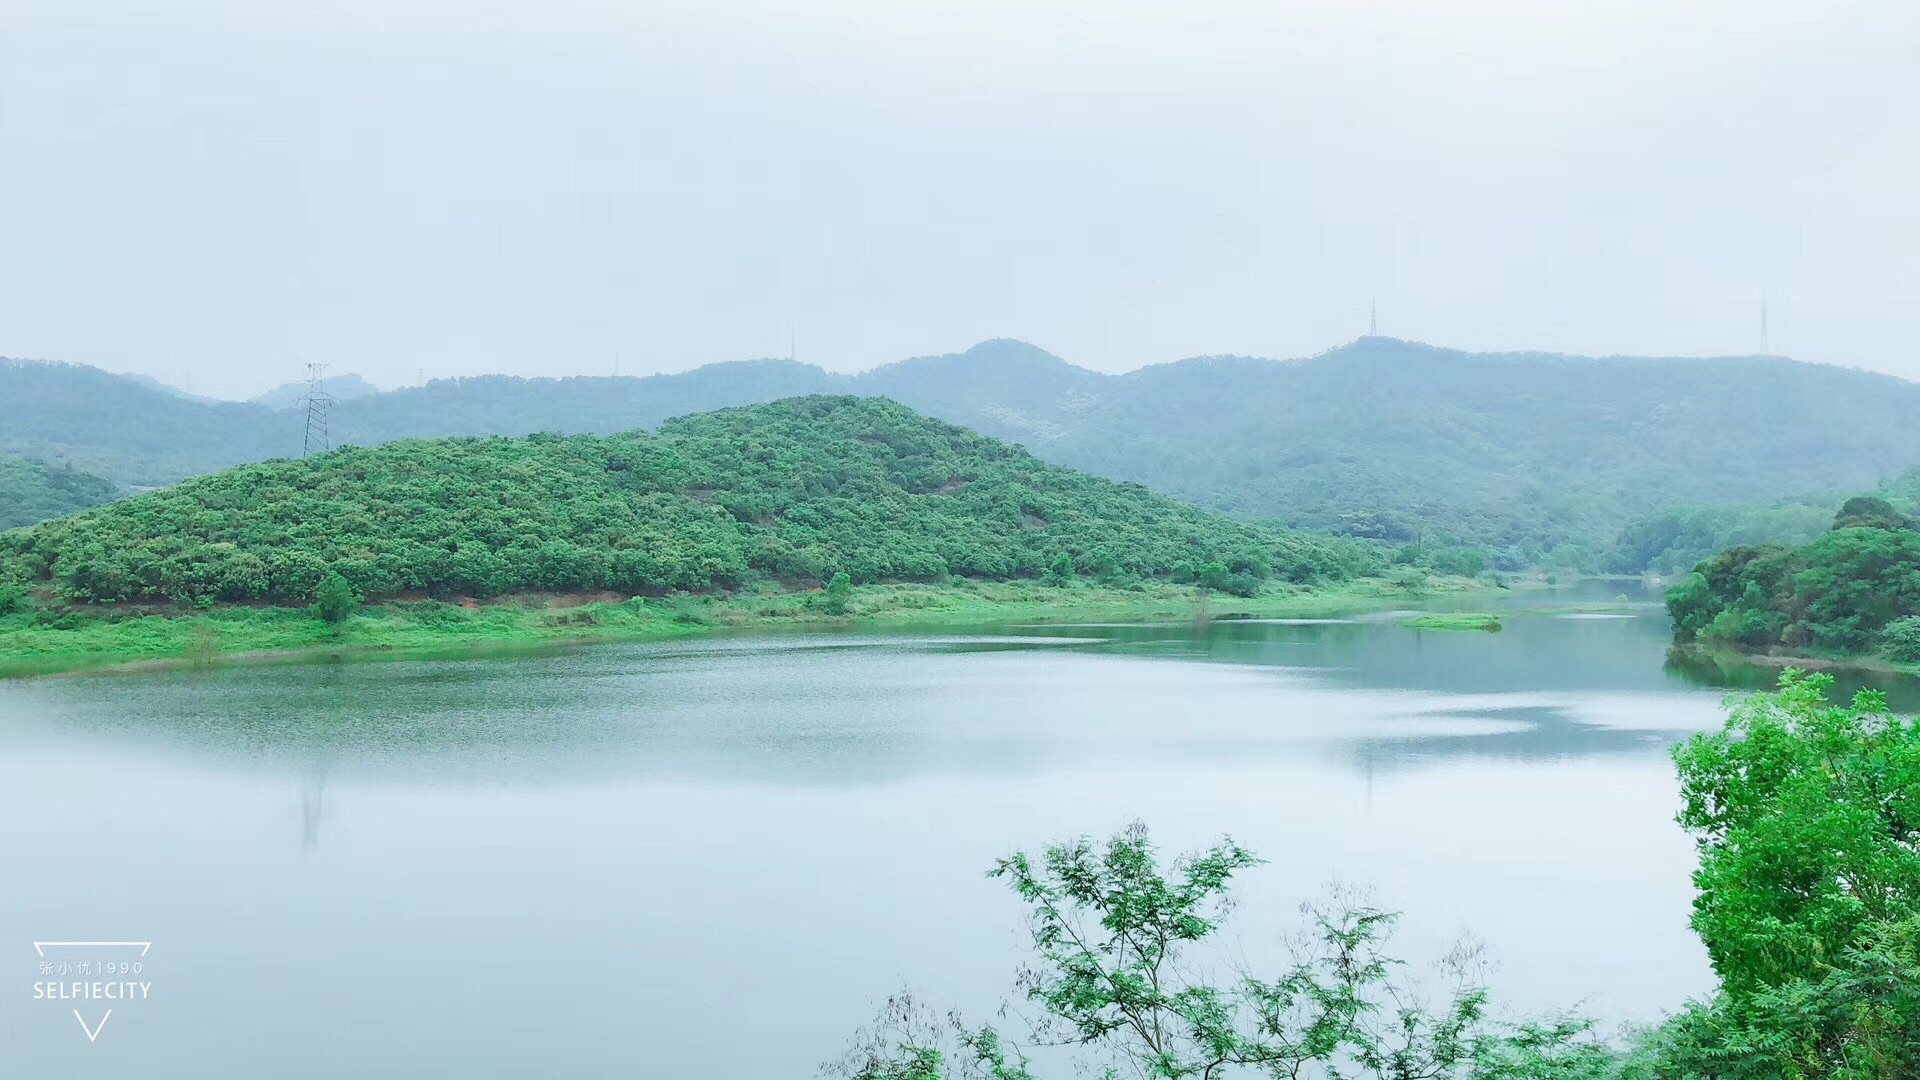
(1101, 565)
(1221, 578)
(1870, 512)
(1059, 571)
(1807, 819)
(1859, 1021)
(839, 592)
(1856, 581)
(1112, 931)
(335, 599)
(1900, 640)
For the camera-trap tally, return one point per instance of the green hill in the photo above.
(33, 491)
(792, 491)
(1536, 457)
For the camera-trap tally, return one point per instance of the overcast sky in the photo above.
(217, 191)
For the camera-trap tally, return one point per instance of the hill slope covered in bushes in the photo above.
(796, 491)
(1539, 459)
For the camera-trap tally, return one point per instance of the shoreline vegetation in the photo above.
(1454, 621)
(813, 509)
(102, 639)
(1849, 600)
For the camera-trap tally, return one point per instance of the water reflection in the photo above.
(876, 708)
(1527, 733)
(682, 833)
(1731, 672)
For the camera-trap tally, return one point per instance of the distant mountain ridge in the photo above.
(165, 387)
(1533, 455)
(339, 387)
(33, 491)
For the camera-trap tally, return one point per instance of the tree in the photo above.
(1807, 819)
(839, 592)
(1900, 641)
(335, 599)
(1218, 576)
(1060, 571)
(1112, 931)
(1860, 1021)
(1870, 512)
(1101, 565)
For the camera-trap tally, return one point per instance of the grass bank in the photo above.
(51, 642)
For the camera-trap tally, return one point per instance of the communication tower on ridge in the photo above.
(318, 401)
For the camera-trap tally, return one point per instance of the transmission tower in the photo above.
(318, 402)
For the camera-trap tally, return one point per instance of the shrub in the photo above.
(839, 592)
(1900, 641)
(335, 599)
(1218, 577)
(1060, 571)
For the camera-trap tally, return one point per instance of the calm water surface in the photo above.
(713, 858)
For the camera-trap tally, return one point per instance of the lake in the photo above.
(715, 857)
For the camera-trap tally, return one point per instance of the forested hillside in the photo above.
(796, 491)
(1539, 458)
(33, 491)
(1674, 540)
(130, 433)
(1524, 453)
(1854, 590)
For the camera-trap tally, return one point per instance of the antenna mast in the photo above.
(1765, 349)
(1373, 318)
(318, 402)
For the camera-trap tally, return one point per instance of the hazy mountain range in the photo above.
(1522, 452)
(339, 387)
(33, 491)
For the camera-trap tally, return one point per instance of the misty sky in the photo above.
(216, 191)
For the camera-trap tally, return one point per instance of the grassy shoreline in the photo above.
(1454, 622)
(107, 640)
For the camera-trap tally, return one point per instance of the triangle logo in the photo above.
(93, 1032)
